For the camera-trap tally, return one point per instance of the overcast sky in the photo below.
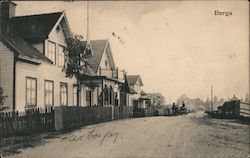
(176, 47)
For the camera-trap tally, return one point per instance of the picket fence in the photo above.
(67, 117)
(31, 121)
(58, 118)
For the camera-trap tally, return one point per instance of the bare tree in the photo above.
(158, 99)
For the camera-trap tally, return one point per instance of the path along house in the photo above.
(32, 59)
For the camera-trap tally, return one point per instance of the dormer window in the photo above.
(51, 53)
(57, 28)
(106, 63)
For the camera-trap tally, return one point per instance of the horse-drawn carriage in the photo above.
(176, 110)
(183, 110)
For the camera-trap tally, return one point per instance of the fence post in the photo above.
(58, 118)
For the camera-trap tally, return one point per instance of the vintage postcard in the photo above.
(124, 79)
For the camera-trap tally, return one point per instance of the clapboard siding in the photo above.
(42, 72)
(7, 74)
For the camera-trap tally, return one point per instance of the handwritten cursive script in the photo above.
(93, 135)
(109, 134)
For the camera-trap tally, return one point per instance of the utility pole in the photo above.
(211, 98)
(87, 21)
(87, 24)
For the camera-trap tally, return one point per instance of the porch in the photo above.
(142, 107)
(104, 88)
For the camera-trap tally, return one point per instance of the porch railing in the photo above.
(117, 74)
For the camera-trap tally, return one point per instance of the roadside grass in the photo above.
(14, 144)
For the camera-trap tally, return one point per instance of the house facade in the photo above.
(32, 62)
(137, 98)
(125, 93)
(103, 87)
(32, 59)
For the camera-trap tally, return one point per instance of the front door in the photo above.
(88, 97)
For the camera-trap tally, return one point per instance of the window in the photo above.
(48, 93)
(61, 56)
(106, 64)
(64, 94)
(111, 93)
(51, 54)
(106, 94)
(116, 100)
(75, 95)
(57, 28)
(31, 90)
(82, 63)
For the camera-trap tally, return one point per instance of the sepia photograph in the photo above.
(124, 79)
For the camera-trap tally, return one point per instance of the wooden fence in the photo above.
(121, 112)
(30, 121)
(232, 110)
(139, 112)
(149, 111)
(58, 118)
(127, 112)
(116, 112)
(244, 109)
(74, 116)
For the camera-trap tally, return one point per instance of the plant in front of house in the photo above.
(2, 99)
(77, 52)
(158, 102)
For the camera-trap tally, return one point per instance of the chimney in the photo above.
(7, 10)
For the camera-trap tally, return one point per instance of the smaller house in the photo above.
(144, 97)
(125, 93)
(103, 86)
(138, 98)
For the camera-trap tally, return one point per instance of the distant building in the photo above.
(137, 98)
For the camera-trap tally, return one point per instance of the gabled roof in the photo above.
(125, 87)
(25, 30)
(24, 50)
(35, 27)
(132, 79)
(98, 49)
(143, 93)
(89, 71)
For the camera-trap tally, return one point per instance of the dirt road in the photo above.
(189, 136)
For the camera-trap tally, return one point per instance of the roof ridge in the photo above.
(22, 16)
